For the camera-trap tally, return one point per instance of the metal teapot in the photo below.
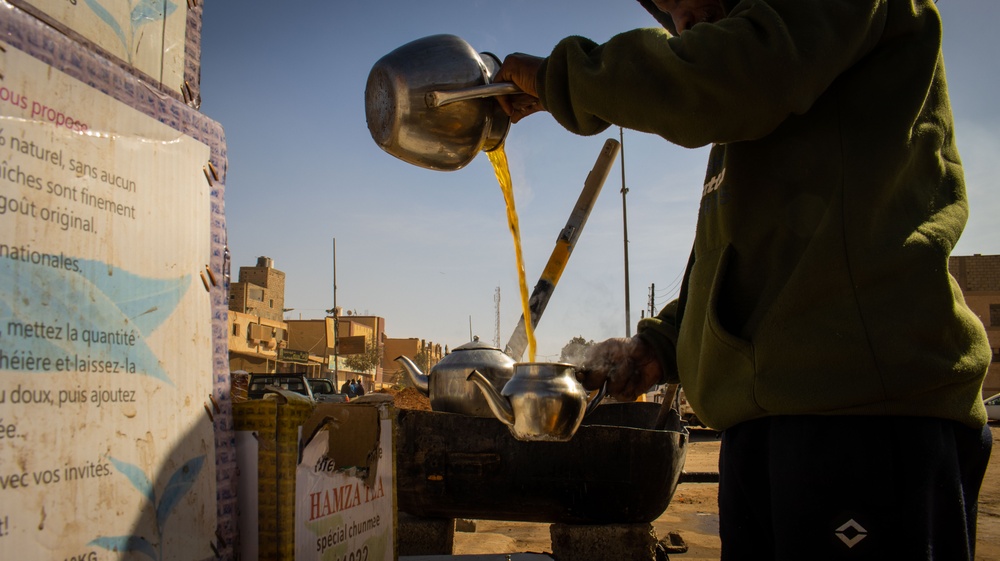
(447, 385)
(427, 103)
(542, 401)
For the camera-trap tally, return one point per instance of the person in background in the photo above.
(817, 326)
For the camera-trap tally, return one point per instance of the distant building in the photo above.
(310, 346)
(374, 329)
(315, 338)
(425, 354)
(262, 341)
(258, 334)
(979, 278)
(256, 344)
(260, 291)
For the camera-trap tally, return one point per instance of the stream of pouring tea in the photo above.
(498, 158)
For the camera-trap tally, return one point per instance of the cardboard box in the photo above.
(345, 494)
(316, 480)
(267, 451)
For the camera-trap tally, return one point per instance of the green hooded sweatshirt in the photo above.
(818, 282)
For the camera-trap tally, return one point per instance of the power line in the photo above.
(673, 290)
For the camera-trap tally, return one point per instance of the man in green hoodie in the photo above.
(817, 325)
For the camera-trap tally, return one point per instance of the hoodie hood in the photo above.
(662, 17)
(667, 22)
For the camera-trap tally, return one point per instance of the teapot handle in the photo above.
(439, 98)
(596, 400)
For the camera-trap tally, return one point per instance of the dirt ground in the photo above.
(694, 513)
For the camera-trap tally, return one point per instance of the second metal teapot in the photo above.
(542, 401)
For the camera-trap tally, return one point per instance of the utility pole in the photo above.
(496, 334)
(336, 320)
(652, 299)
(628, 313)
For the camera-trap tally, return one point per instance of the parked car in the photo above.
(325, 392)
(294, 382)
(993, 407)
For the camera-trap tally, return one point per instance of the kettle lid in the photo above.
(474, 344)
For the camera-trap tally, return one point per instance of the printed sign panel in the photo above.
(106, 342)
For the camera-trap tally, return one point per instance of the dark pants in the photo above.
(844, 487)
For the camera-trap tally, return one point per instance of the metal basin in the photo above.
(616, 468)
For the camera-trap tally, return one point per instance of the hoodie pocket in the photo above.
(716, 367)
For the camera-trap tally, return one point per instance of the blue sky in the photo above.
(426, 249)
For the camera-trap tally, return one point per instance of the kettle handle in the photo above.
(437, 99)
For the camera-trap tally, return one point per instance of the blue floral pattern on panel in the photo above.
(143, 12)
(90, 317)
(179, 484)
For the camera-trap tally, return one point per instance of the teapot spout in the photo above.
(596, 400)
(417, 378)
(498, 404)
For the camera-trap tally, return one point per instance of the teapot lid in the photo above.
(474, 344)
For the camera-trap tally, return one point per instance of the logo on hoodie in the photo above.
(714, 183)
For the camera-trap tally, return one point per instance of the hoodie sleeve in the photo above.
(660, 334)
(736, 79)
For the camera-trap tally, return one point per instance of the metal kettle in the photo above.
(543, 401)
(428, 103)
(447, 384)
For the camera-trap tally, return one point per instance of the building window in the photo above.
(236, 329)
(996, 355)
(994, 315)
(270, 303)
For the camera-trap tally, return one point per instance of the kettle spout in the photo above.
(498, 404)
(418, 378)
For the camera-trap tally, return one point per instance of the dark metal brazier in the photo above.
(616, 468)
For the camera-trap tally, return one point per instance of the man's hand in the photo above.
(520, 69)
(628, 365)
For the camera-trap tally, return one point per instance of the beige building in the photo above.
(258, 335)
(373, 328)
(425, 354)
(315, 338)
(979, 278)
(260, 291)
(261, 341)
(255, 343)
